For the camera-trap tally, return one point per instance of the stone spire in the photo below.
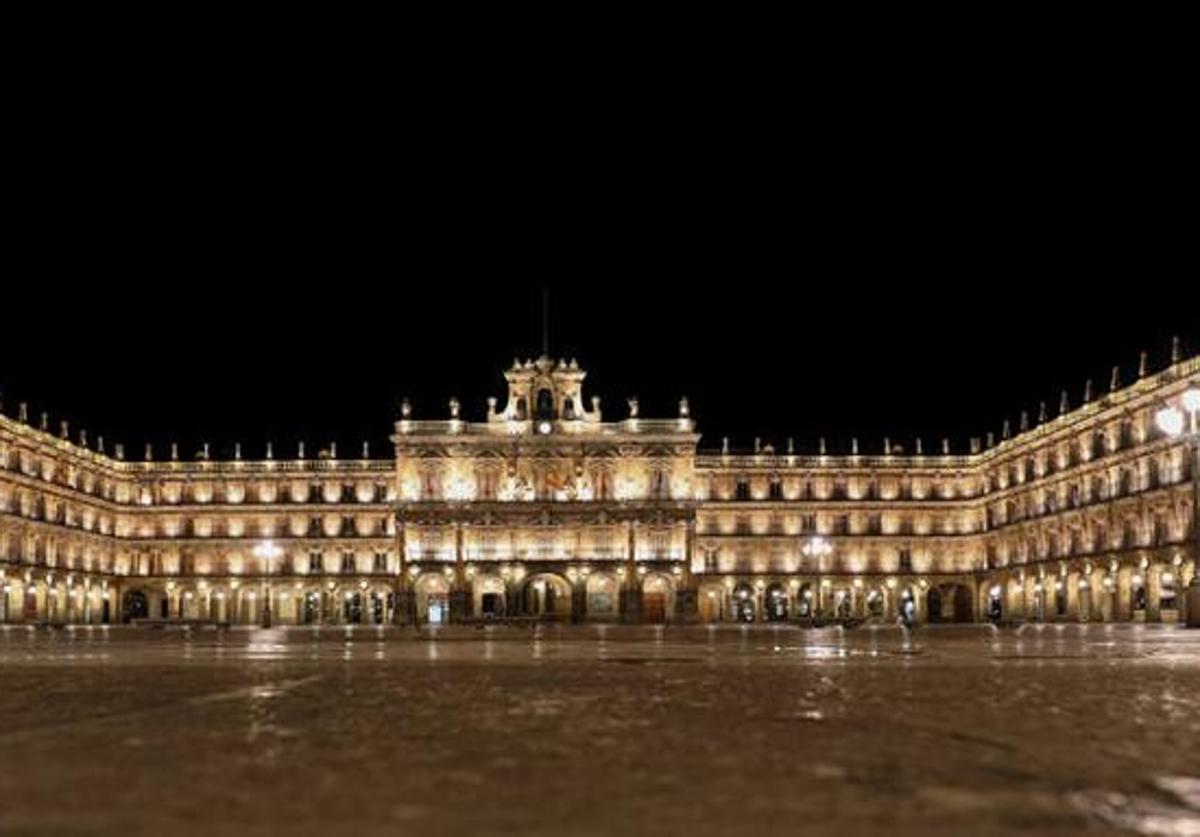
(1114, 383)
(148, 453)
(1064, 405)
(1143, 364)
(1042, 413)
(1006, 431)
(1087, 392)
(945, 447)
(1024, 420)
(1176, 350)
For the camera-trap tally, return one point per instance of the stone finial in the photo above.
(1143, 364)
(270, 450)
(300, 450)
(920, 451)
(44, 425)
(821, 446)
(945, 447)
(887, 446)
(366, 450)
(83, 438)
(204, 451)
(684, 409)
(64, 430)
(23, 412)
(455, 407)
(974, 444)
(791, 446)
(120, 451)
(148, 452)
(491, 402)
(174, 451)
(854, 446)
(757, 444)
(1006, 430)
(405, 410)
(237, 450)
(333, 450)
(595, 403)
(725, 445)
(1042, 413)
(991, 439)
(1064, 404)
(1087, 392)
(1024, 420)
(99, 444)
(1176, 350)
(633, 407)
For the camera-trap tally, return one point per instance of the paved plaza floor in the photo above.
(1053, 729)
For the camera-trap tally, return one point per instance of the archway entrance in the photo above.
(311, 609)
(546, 595)
(134, 605)
(933, 606)
(656, 593)
(433, 599)
(777, 603)
(804, 601)
(743, 602)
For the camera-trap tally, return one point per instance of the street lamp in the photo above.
(265, 551)
(1178, 422)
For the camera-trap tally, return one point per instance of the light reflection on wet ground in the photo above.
(1048, 729)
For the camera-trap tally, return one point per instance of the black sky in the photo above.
(886, 256)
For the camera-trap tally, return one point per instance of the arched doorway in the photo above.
(433, 599)
(933, 606)
(777, 604)
(804, 601)
(546, 596)
(875, 604)
(743, 602)
(656, 599)
(310, 609)
(490, 603)
(134, 605)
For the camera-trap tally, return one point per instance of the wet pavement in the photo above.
(951, 730)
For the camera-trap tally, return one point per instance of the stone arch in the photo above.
(135, 604)
(744, 606)
(490, 595)
(658, 598)
(777, 604)
(546, 596)
(433, 598)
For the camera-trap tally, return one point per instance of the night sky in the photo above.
(232, 275)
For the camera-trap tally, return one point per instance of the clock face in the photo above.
(544, 428)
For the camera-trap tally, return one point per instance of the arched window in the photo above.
(545, 406)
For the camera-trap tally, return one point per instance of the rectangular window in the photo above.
(348, 562)
(315, 564)
(380, 562)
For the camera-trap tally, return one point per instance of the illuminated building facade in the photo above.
(546, 510)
